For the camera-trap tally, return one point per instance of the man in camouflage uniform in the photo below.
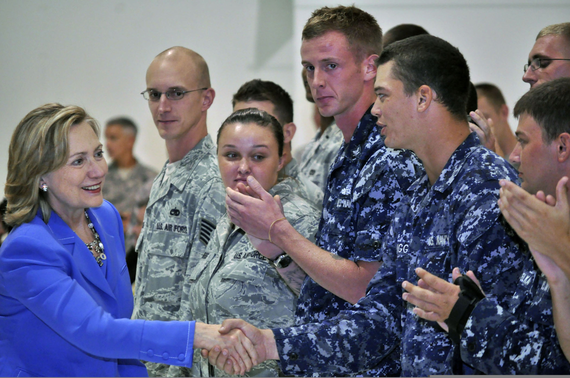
(235, 281)
(519, 337)
(126, 175)
(450, 218)
(320, 152)
(187, 197)
(365, 185)
(271, 98)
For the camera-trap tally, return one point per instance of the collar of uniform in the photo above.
(419, 191)
(456, 162)
(360, 138)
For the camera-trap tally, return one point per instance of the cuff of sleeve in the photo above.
(168, 342)
(476, 335)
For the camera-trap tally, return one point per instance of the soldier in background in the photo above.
(271, 98)
(491, 103)
(187, 197)
(126, 174)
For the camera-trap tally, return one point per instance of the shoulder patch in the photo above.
(206, 230)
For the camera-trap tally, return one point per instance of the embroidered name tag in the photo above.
(180, 229)
(438, 241)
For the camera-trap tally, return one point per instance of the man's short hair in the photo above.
(402, 31)
(261, 90)
(431, 61)
(126, 123)
(562, 29)
(360, 28)
(547, 104)
(492, 93)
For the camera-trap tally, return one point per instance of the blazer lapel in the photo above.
(114, 250)
(85, 261)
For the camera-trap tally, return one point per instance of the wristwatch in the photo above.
(282, 261)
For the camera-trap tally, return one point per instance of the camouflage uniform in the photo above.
(319, 155)
(519, 338)
(233, 280)
(306, 188)
(455, 222)
(181, 215)
(120, 191)
(365, 185)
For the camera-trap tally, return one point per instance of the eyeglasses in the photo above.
(171, 94)
(537, 63)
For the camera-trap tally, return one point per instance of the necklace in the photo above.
(96, 246)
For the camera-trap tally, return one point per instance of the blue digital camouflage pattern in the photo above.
(180, 218)
(455, 222)
(519, 338)
(367, 182)
(320, 154)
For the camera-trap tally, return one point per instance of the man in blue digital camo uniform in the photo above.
(519, 337)
(365, 185)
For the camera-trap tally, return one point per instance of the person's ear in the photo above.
(208, 98)
(563, 148)
(369, 67)
(289, 130)
(281, 163)
(425, 96)
(504, 111)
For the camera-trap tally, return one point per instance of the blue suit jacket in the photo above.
(63, 315)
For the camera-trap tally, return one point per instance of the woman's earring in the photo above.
(44, 187)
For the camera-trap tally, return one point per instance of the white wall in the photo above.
(95, 53)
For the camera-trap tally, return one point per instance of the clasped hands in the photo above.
(236, 346)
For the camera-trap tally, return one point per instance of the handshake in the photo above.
(236, 346)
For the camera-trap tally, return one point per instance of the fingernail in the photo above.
(405, 296)
(404, 284)
(249, 179)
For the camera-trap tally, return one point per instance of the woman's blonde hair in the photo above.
(39, 146)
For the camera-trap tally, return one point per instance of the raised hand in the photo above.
(484, 129)
(542, 221)
(253, 212)
(434, 297)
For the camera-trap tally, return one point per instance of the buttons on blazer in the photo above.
(181, 357)
(150, 353)
(165, 356)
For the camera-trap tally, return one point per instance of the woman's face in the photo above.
(79, 183)
(248, 150)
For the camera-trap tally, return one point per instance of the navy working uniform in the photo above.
(365, 185)
(233, 280)
(519, 338)
(456, 222)
(180, 217)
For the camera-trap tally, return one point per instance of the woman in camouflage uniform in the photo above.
(233, 279)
